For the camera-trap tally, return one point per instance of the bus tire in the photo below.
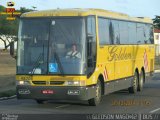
(141, 81)
(133, 88)
(95, 101)
(40, 101)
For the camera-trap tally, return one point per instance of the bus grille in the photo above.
(39, 82)
(48, 83)
(56, 82)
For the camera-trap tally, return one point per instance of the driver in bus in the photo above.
(74, 53)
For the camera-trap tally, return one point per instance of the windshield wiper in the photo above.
(38, 62)
(59, 62)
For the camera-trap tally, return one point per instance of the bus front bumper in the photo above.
(56, 92)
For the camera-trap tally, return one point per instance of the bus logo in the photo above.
(116, 53)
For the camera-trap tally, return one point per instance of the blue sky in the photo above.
(138, 8)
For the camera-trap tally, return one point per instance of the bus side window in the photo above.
(111, 32)
(103, 31)
(132, 33)
(139, 33)
(115, 32)
(91, 43)
(123, 30)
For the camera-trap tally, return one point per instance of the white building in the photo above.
(157, 41)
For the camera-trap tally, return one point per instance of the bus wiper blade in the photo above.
(37, 63)
(59, 62)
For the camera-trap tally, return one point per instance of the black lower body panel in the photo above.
(59, 92)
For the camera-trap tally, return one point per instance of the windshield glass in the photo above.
(32, 46)
(51, 46)
(67, 46)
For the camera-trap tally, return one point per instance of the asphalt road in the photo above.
(147, 101)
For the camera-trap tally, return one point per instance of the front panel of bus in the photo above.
(44, 71)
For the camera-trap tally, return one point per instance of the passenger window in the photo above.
(140, 33)
(91, 26)
(123, 28)
(103, 31)
(91, 29)
(115, 32)
(124, 32)
(132, 33)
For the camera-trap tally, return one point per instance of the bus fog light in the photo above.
(22, 82)
(73, 92)
(75, 83)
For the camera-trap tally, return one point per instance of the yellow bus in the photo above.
(82, 54)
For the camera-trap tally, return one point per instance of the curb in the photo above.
(6, 98)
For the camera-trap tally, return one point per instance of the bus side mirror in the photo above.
(12, 50)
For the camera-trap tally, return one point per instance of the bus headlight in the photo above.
(75, 83)
(23, 82)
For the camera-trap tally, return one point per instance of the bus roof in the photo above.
(85, 12)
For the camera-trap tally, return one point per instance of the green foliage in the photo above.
(9, 29)
(156, 22)
(2, 8)
(23, 10)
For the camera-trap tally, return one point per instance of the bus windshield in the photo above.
(52, 46)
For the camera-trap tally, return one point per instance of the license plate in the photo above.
(47, 92)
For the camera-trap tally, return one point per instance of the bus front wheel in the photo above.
(95, 101)
(133, 88)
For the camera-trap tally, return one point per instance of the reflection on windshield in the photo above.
(65, 53)
(68, 38)
(33, 47)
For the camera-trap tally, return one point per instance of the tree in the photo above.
(34, 7)
(2, 8)
(23, 9)
(156, 22)
(9, 29)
